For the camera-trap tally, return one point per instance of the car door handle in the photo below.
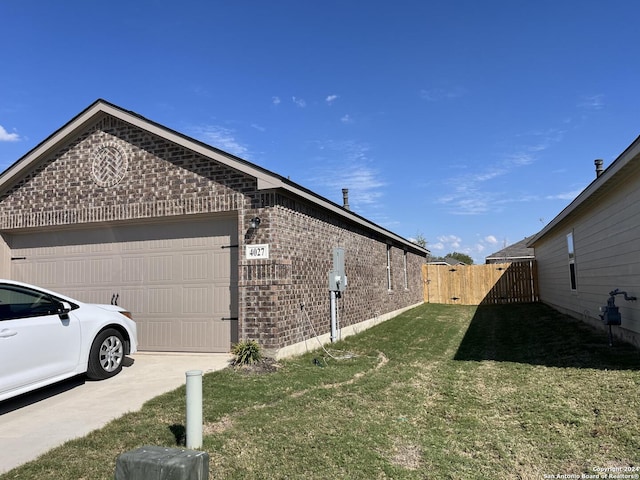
(6, 333)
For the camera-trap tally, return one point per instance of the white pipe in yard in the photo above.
(194, 409)
(334, 323)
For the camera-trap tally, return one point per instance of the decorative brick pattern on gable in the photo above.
(162, 180)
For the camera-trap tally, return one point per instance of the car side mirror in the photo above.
(63, 309)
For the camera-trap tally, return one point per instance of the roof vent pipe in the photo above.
(345, 198)
(598, 163)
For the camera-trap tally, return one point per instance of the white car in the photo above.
(46, 337)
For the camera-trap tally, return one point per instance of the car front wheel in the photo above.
(106, 356)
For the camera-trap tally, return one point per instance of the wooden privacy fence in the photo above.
(495, 283)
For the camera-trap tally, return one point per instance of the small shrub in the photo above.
(246, 352)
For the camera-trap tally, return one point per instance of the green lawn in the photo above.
(442, 391)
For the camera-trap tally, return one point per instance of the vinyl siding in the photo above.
(606, 234)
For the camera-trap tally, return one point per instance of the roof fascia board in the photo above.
(625, 157)
(511, 257)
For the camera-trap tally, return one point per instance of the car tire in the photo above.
(107, 355)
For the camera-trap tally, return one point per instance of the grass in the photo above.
(440, 392)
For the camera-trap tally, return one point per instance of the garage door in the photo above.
(179, 279)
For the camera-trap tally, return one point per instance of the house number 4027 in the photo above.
(254, 252)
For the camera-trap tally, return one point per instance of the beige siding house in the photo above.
(593, 247)
(203, 247)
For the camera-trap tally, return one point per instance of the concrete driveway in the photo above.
(32, 424)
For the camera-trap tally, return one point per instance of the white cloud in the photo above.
(540, 140)
(592, 102)
(490, 174)
(467, 199)
(299, 102)
(8, 137)
(438, 94)
(487, 244)
(275, 100)
(476, 192)
(346, 119)
(564, 195)
(200, 91)
(222, 138)
(476, 250)
(520, 159)
(483, 190)
(490, 239)
(450, 241)
(347, 165)
(331, 98)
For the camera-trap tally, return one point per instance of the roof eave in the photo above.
(515, 257)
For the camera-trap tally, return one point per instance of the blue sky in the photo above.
(471, 123)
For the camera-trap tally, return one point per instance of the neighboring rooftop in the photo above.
(517, 252)
(446, 261)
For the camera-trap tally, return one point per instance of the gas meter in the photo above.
(610, 314)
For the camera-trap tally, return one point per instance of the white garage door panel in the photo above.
(157, 333)
(161, 301)
(132, 269)
(136, 298)
(195, 333)
(175, 278)
(196, 266)
(197, 300)
(75, 272)
(47, 269)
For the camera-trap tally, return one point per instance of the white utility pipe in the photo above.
(194, 409)
(334, 323)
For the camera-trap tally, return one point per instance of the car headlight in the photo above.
(127, 314)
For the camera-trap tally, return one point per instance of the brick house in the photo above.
(115, 207)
